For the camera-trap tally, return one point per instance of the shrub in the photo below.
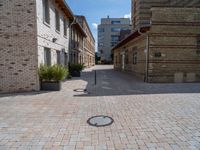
(76, 67)
(52, 73)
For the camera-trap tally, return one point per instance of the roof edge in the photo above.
(131, 36)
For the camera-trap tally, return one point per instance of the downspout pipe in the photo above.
(146, 54)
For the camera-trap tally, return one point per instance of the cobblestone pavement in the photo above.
(146, 116)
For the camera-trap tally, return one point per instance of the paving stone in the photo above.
(161, 117)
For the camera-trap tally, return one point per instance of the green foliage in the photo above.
(69, 76)
(52, 73)
(76, 67)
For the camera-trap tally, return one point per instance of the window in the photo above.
(47, 56)
(101, 30)
(57, 19)
(46, 16)
(113, 44)
(198, 41)
(114, 38)
(126, 57)
(158, 54)
(135, 58)
(65, 27)
(115, 29)
(100, 37)
(115, 22)
(101, 44)
(58, 57)
(198, 45)
(66, 59)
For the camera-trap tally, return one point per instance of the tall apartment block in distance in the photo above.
(109, 35)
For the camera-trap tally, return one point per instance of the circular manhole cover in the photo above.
(100, 121)
(80, 90)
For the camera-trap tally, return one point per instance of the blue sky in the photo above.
(94, 10)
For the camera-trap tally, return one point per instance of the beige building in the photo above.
(76, 50)
(89, 43)
(33, 32)
(164, 45)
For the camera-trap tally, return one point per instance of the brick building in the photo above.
(164, 45)
(33, 32)
(89, 43)
(77, 44)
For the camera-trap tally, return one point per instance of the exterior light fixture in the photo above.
(54, 40)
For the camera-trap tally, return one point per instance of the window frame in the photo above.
(46, 12)
(101, 30)
(135, 58)
(65, 27)
(57, 20)
(47, 52)
(58, 55)
(116, 22)
(114, 29)
(115, 38)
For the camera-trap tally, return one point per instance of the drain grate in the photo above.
(100, 121)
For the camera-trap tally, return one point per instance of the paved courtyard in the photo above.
(146, 116)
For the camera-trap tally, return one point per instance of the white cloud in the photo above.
(95, 25)
(127, 15)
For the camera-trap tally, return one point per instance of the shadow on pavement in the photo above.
(115, 83)
(24, 93)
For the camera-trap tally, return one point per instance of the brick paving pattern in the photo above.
(146, 116)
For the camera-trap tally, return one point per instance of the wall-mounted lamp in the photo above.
(54, 40)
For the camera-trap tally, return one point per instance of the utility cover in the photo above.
(100, 121)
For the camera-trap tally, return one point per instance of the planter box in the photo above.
(75, 73)
(51, 86)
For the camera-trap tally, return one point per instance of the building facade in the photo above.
(33, 32)
(89, 43)
(164, 46)
(77, 44)
(109, 35)
(141, 9)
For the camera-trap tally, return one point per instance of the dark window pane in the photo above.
(65, 27)
(115, 22)
(135, 58)
(46, 16)
(57, 18)
(58, 57)
(101, 30)
(47, 56)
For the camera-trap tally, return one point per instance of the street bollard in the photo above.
(95, 77)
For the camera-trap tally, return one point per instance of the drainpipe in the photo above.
(70, 38)
(146, 55)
